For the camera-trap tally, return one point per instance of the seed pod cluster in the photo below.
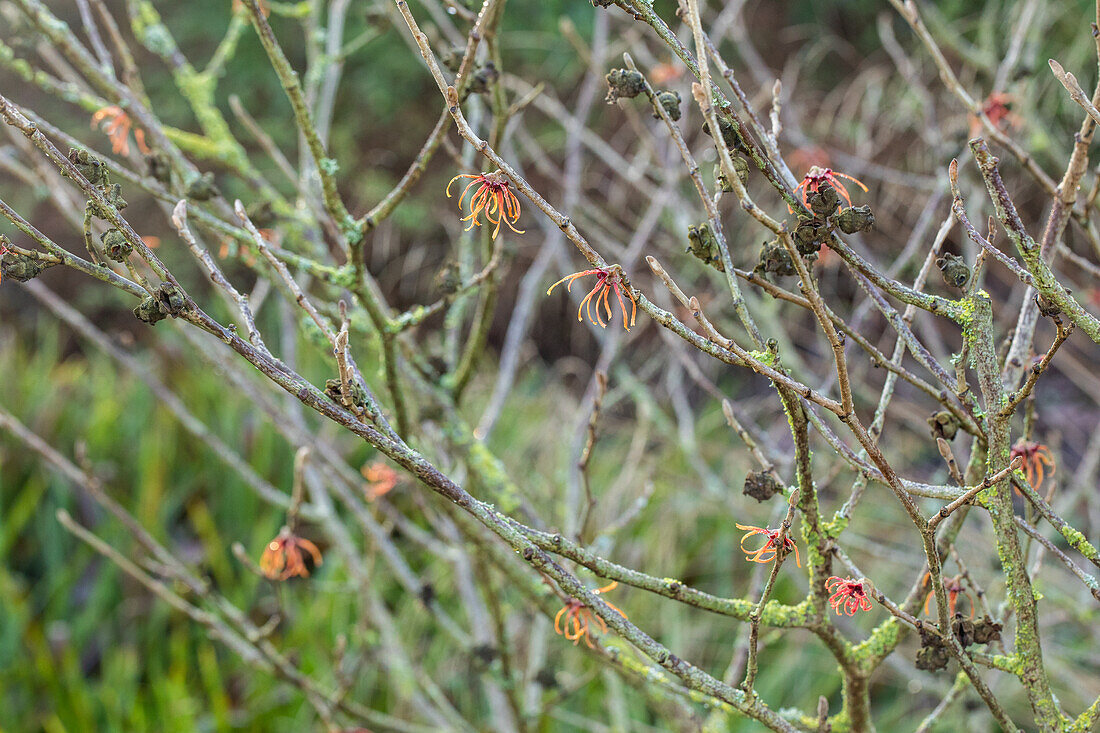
(932, 654)
(670, 101)
(334, 389)
(944, 425)
(159, 167)
(703, 245)
(761, 485)
(95, 170)
(19, 267)
(166, 300)
(623, 84)
(484, 78)
(775, 259)
(202, 188)
(740, 166)
(954, 270)
(115, 245)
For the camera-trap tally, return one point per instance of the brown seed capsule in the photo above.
(728, 130)
(483, 78)
(448, 279)
(262, 214)
(932, 654)
(824, 200)
(944, 425)
(202, 188)
(775, 259)
(955, 272)
(150, 310)
(963, 628)
(113, 194)
(703, 245)
(19, 267)
(740, 165)
(89, 166)
(855, 219)
(623, 83)
(452, 58)
(159, 167)
(670, 100)
(171, 299)
(810, 235)
(334, 390)
(115, 245)
(1048, 308)
(761, 485)
(986, 631)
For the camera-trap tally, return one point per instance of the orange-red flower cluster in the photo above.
(493, 197)
(608, 280)
(767, 552)
(998, 108)
(954, 588)
(849, 594)
(817, 177)
(1036, 456)
(117, 124)
(579, 619)
(380, 479)
(283, 558)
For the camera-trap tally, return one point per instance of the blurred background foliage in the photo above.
(83, 649)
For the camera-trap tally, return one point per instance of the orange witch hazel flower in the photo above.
(283, 558)
(954, 588)
(1036, 456)
(817, 177)
(380, 479)
(608, 280)
(579, 619)
(493, 197)
(769, 550)
(998, 108)
(849, 594)
(116, 123)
